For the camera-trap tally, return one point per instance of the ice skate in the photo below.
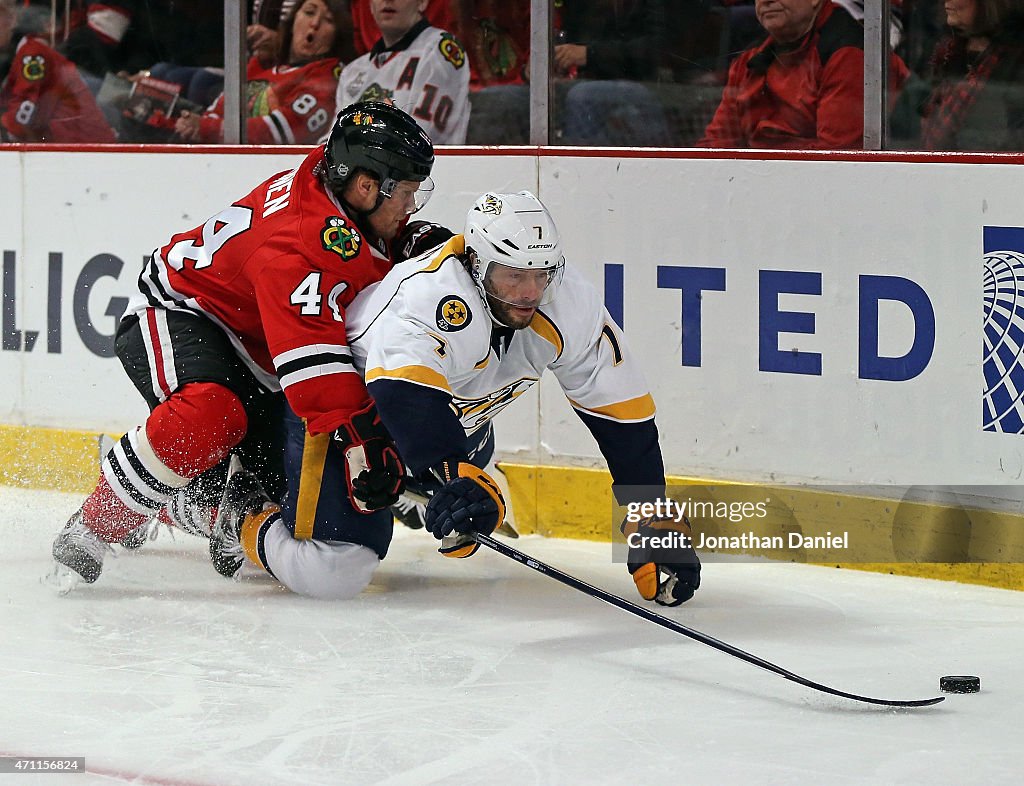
(243, 495)
(79, 551)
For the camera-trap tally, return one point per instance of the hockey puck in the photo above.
(961, 684)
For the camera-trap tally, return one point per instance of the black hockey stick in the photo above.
(672, 625)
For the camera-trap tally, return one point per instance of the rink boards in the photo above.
(840, 332)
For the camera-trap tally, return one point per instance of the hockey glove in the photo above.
(468, 501)
(664, 566)
(373, 470)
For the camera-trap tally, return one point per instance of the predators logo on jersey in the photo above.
(452, 50)
(339, 237)
(452, 314)
(33, 67)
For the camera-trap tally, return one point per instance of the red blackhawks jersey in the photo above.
(288, 105)
(425, 74)
(276, 271)
(45, 100)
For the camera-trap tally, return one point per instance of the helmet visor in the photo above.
(523, 287)
(413, 193)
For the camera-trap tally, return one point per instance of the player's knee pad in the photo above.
(319, 569)
(196, 427)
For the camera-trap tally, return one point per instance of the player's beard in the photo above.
(509, 315)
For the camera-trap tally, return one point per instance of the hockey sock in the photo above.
(185, 435)
(254, 532)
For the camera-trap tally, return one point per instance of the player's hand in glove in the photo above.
(374, 472)
(468, 501)
(667, 572)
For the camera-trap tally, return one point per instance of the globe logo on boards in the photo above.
(1003, 362)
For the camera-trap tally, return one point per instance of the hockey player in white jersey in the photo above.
(419, 68)
(445, 342)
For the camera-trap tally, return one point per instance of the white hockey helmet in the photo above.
(514, 231)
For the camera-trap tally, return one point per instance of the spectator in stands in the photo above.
(612, 47)
(291, 102)
(263, 35)
(421, 69)
(365, 31)
(497, 38)
(129, 35)
(977, 99)
(43, 98)
(802, 87)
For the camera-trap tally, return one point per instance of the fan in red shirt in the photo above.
(43, 98)
(292, 102)
(803, 86)
(249, 305)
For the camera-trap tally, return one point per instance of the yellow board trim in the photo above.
(564, 502)
(314, 456)
(573, 502)
(419, 374)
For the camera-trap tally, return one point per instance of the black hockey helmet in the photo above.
(381, 139)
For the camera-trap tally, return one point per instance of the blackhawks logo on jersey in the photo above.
(339, 237)
(452, 51)
(452, 314)
(33, 67)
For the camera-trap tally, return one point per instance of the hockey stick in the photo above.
(672, 625)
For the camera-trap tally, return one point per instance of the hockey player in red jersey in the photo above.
(249, 304)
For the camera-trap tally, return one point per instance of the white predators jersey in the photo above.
(426, 323)
(428, 79)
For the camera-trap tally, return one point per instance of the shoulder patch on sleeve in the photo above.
(451, 50)
(33, 67)
(341, 238)
(452, 314)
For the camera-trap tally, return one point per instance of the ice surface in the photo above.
(483, 671)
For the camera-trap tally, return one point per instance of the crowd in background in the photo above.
(674, 73)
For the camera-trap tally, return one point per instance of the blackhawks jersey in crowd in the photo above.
(276, 271)
(45, 100)
(426, 325)
(288, 105)
(425, 74)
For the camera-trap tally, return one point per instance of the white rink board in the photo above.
(834, 222)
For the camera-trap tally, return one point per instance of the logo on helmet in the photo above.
(339, 237)
(362, 119)
(491, 205)
(33, 67)
(452, 314)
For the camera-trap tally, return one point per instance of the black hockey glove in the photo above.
(468, 501)
(373, 470)
(661, 559)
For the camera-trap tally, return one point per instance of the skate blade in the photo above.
(62, 579)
